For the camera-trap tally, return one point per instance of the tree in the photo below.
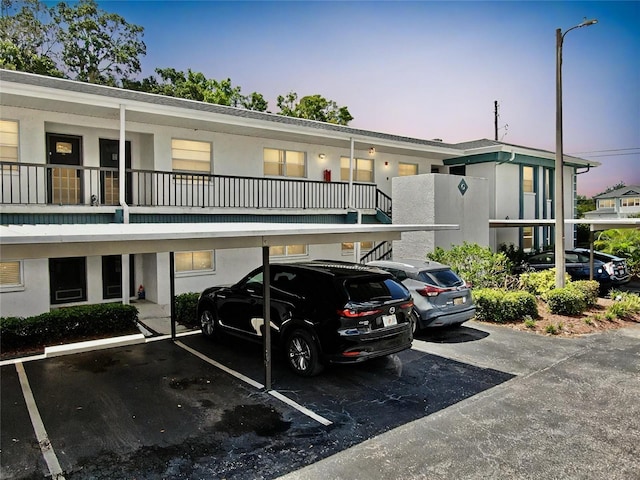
(196, 86)
(28, 38)
(313, 107)
(97, 46)
(623, 243)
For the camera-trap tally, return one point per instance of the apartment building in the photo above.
(76, 153)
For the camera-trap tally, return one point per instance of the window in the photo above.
(407, 169)
(362, 169)
(10, 274)
(347, 247)
(458, 170)
(527, 238)
(288, 250)
(547, 184)
(527, 180)
(198, 261)
(606, 203)
(191, 156)
(8, 142)
(284, 163)
(630, 202)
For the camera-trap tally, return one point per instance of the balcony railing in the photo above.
(34, 184)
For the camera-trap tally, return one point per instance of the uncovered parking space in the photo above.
(158, 411)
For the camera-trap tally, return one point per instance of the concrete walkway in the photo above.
(573, 412)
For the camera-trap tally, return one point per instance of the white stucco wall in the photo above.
(435, 198)
(33, 297)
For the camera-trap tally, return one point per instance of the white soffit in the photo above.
(49, 241)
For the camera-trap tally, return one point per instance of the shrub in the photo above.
(501, 306)
(625, 305)
(67, 324)
(590, 289)
(477, 265)
(566, 301)
(187, 309)
(539, 283)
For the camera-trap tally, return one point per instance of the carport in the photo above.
(595, 225)
(49, 241)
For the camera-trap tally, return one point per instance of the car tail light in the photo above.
(355, 314)
(407, 305)
(431, 291)
(351, 354)
(609, 268)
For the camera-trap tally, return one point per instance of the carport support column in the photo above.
(266, 314)
(172, 294)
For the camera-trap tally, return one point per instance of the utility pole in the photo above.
(495, 118)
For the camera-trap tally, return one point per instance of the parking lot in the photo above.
(471, 402)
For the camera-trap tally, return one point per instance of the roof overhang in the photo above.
(51, 241)
(517, 155)
(37, 92)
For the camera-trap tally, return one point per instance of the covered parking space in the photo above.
(50, 241)
(595, 225)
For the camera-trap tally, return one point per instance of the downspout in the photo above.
(122, 174)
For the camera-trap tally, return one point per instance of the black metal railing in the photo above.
(382, 251)
(29, 184)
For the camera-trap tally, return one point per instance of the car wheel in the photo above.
(415, 322)
(302, 353)
(208, 323)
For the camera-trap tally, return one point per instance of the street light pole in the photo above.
(559, 163)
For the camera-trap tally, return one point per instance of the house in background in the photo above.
(77, 153)
(620, 203)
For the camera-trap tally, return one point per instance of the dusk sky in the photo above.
(425, 69)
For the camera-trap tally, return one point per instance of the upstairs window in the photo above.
(630, 202)
(407, 169)
(190, 156)
(362, 169)
(8, 142)
(527, 180)
(284, 163)
(606, 203)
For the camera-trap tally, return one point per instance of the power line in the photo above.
(603, 151)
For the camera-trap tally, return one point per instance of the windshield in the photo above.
(441, 278)
(366, 290)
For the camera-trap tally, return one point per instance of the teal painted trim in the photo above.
(503, 157)
(383, 217)
(55, 218)
(235, 218)
(88, 219)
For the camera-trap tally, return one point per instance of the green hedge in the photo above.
(187, 309)
(66, 325)
(503, 306)
(567, 301)
(590, 289)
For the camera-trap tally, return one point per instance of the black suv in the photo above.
(321, 312)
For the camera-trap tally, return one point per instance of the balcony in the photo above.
(39, 184)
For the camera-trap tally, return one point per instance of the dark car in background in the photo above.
(608, 270)
(440, 296)
(321, 312)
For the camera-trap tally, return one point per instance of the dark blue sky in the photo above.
(425, 69)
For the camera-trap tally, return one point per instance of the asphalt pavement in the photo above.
(475, 402)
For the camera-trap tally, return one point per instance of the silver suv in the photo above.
(440, 297)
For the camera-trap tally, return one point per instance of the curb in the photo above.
(90, 345)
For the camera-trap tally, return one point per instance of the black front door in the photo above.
(109, 174)
(68, 280)
(64, 181)
(112, 276)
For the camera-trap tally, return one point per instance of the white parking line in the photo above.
(258, 385)
(38, 426)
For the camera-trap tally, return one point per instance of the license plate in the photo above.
(459, 300)
(388, 320)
